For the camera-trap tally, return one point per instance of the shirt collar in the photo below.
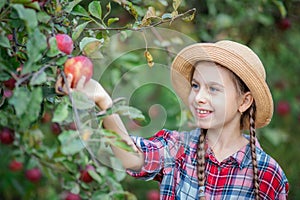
(243, 156)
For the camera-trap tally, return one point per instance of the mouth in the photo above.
(201, 113)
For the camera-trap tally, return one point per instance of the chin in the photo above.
(202, 125)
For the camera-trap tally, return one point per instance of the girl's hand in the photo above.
(92, 89)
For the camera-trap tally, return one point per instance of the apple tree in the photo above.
(52, 146)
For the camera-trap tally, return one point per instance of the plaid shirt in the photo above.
(170, 158)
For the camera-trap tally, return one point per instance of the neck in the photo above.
(224, 143)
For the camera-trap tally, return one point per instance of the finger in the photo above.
(80, 83)
(133, 146)
(69, 80)
(66, 87)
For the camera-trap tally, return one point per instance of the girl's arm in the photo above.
(96, 92)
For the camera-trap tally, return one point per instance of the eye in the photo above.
(213, 89)
(194, 85)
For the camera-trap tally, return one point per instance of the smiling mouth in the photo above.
(203, 113)
(200, 111)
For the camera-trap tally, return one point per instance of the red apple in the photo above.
(7, 93)
(55, 128)
(10, 37)
(10, 83)
(153, 195)
(84, 174)
(46, 117)
(284, 24)
(15, 166)
(7, 136)
(71, 126)
(71, 196)
(33, 175)
(64, 43)
(78, 66)
(283, 108)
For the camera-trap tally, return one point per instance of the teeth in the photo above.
(203, 111)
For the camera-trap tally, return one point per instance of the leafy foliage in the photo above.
(58, 135)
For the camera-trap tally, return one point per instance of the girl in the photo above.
(224, 86)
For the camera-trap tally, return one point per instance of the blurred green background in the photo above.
(272, 32)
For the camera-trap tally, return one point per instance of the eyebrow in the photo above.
(210, 83)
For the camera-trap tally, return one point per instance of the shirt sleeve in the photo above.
(159, 153)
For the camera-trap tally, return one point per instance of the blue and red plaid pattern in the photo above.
(170, 158)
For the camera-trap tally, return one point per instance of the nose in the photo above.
(202, 96)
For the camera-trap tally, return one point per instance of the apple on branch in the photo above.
(33, 175)
(64, 43)
(78, 66)
(7, 136)
(84, 174)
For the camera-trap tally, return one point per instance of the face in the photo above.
(214, 100)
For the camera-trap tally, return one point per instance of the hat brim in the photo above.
(183, 64)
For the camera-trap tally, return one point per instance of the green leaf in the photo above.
(280, 7)
(61, 60)
(75, 189)
(176, 4)
(100, 195)
(20, 100)
(95, 9)
(132, 10)
(37, 43)
(21, 1)
(61, 112)
(81, 101)
(35, 5)
(129, 111)
(190, 17)
(38, 79)
(29, 67)
(112, 20)
(4, 42)
(4, 118)
(71, 5)
(79, 10)
(2, 3)
(109, 134)
(36, 134)
(70, 142)
(108, 9)
(118, 169)
(27, 15)
(53, 51)
(43, 17)
(78, 30)
(95, 176)
(34, 105)
(27, 104)
(72, 167)
(122, 145)
(89, 45)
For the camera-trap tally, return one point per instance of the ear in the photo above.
(247, 100)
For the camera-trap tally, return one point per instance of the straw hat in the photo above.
(236, 57)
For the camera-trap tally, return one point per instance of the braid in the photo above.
(201, 163)
(253, 151)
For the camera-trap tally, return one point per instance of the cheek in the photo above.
(191, 99)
